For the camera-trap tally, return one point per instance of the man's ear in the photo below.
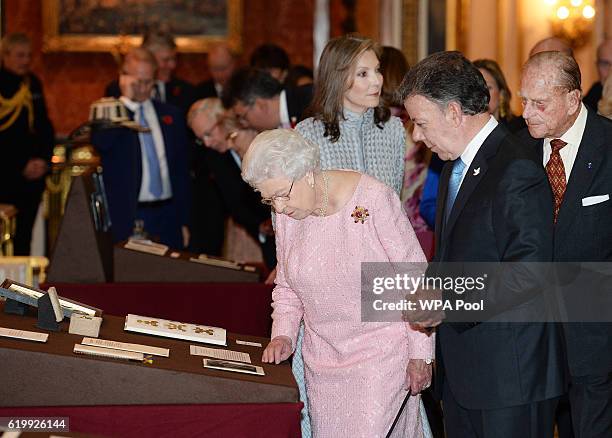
(454, 113)
(574, 99)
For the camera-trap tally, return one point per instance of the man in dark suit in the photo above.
(496, 379)
(221, 65)
(208, 210)
(146, 173)
(604, 68)
(223, 158)
(575, 146)
(273, 59)
(167, 87)
(26, 136)
(260, 102)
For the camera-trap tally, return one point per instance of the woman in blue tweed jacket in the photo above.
(353, 129)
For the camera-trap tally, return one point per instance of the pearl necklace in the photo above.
(323, 209)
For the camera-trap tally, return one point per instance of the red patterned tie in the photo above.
(556, 174)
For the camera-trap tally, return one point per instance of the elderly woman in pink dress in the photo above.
(357, 373)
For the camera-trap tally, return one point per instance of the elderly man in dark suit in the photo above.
(496, 379)
(146, 173)
(575, 146)
(221, 65)
(226, 144)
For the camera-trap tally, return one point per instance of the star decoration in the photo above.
(360, 214)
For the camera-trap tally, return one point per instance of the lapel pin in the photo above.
(589, 165)
(477, 171)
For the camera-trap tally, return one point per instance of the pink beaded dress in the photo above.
(354, 370)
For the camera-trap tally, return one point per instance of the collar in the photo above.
(132, 105)
(236, 158)
(285, 121)
(218, 88)
(573, 136)
(474, 145)
(351, 118)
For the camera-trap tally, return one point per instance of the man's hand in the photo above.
(35, 169)
(266, 228)
(133, 88)
(186, 235)
(422, 318)
(418, 376)
(278, 350)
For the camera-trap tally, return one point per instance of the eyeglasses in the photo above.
(285, 198)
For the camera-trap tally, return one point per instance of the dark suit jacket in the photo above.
(179, 93)
(298, 100)
(592, 98)
(206, 89)
(242, 202)
(584, 234)
(501, 214)
(122, 163)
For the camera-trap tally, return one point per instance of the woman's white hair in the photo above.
(211, 105)
(279, 153)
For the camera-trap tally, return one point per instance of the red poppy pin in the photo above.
(360, 214)
(167, 120)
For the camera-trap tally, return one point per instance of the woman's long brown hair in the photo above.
(334, 77)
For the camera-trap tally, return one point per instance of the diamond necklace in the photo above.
(323, 209)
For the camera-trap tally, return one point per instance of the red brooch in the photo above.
(360, 214)
(167, 120)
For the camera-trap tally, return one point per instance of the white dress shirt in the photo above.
(475, 143)
(161, 90)
(158, 139)
(218, 89)
(285, 121)
(573, 137)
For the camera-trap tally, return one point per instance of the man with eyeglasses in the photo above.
(146, 172)
(221, 146)
(260, 101)
(604, 62)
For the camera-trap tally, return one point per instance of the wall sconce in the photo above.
(572, 20)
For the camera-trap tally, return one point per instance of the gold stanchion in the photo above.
(65, 164)
(8, 223)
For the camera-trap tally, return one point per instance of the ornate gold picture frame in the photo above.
(115, 25)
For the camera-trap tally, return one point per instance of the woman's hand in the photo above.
(271, 277)
(418, 376)
(278, 350)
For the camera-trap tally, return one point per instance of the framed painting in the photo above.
(116, 25)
